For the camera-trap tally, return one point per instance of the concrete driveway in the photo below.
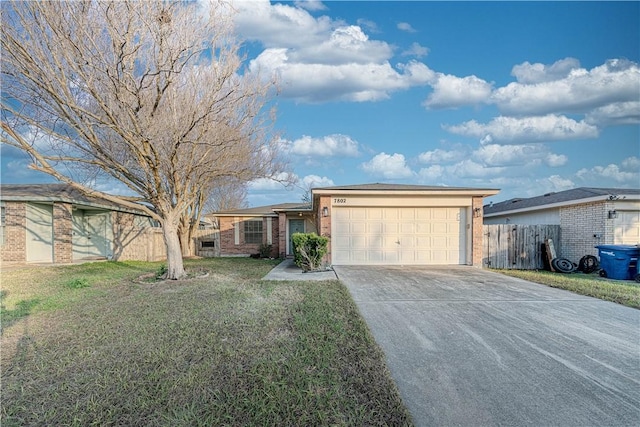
(469, 347)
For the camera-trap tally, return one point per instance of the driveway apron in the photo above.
(470, 347)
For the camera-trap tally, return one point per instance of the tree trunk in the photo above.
(175, 265)
(184, 234)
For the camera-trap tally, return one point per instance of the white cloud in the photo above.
(405, 26)
(315, 181)
(472, 169)
(443, 156)
(556, 160)
(432, 173)
(345, 45)
(368, 25)
(511, 130)
(631, 163)
(327, 146)
(527, 73)
(280, 181)
(451, 92)
(280, 25)
(615, 81)
(321, 59)
(416, 50)
(313, 5)
(611, 173)
(620, 113)
(346, 82)
(388, 166)
(553, 183)
(511, 155)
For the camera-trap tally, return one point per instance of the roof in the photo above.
(48, 193)
(381, 188)
(269, 210)
(548, 200)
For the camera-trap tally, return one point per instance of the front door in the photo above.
(295, 226)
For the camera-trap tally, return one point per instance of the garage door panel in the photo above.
(398, 235)
(627, 228)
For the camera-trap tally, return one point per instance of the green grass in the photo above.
(228, 349)
(622, 292)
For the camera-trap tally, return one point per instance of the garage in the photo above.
(626, 229)
(395, 224)
(399, 235)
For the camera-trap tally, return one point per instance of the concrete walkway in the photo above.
(287, 270)
(470, 347)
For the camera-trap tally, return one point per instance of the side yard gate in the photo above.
(517, 247)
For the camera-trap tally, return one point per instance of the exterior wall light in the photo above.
(325, 211)
(612, 214)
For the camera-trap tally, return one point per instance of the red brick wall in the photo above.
(324, 223)
(282, 234)
(62, 233)
(227, 236)
(477, 233)
(15, 237)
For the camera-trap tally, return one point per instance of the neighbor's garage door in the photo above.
(368, 235)
(627, 228)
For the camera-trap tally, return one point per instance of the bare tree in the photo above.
(227, 193)
(150, 93)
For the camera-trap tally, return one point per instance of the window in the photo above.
(253, 231)
(208, 244)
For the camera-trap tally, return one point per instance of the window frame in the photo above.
(252, 235)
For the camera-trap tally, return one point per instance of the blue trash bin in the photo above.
(619, 261)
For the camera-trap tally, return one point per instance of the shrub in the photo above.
(265, 250)
(309, 249)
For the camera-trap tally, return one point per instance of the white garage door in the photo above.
(368, 235)
(627, 228)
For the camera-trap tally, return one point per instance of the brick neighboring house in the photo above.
(367, 224)
(55, 223)
(587, 217)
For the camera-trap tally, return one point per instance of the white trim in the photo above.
(438, 192)
(602, 198)
(236, 230)
(269, 231)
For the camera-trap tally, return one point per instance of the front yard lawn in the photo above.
(625, 292)
(89, 345)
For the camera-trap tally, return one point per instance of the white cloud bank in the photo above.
(321, 59)
(514, 130)
(327, 146)
(388, 166)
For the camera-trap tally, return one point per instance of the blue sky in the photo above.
(524, 97)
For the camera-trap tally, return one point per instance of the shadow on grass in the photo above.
(23, 309)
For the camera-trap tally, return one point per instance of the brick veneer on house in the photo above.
(15, 238)
(579, 224)
(228, 236)
(62, 233)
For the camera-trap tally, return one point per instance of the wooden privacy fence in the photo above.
(517, 247)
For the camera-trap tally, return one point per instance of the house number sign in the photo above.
(338, 201)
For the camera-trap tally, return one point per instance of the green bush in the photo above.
(265, 250)
(309, 249)
(77, 283)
